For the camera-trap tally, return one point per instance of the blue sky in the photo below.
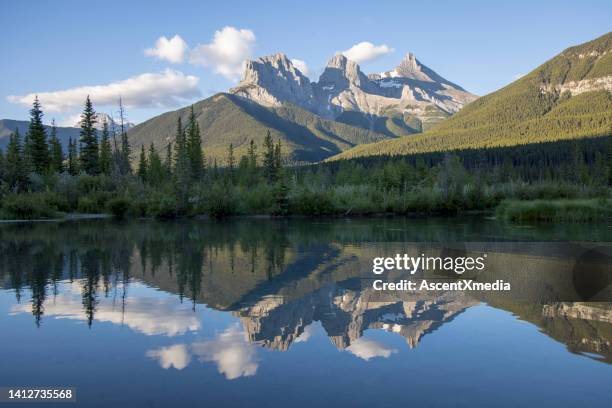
(66, 45)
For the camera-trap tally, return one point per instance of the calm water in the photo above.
(258, 313)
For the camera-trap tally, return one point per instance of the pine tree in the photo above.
(106, 153)
(156, 168)
(14, 163)
(168, 161)
(278, 164)
(231, 163)
(252, 154)
(182, 168)
(89, 154)
(194, 147)
(269, 161)
(37, 140)
(142, 164)
(73, 158)
(126, 150)
(55, 151)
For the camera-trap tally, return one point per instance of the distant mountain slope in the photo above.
(567, 97)
(8, 126)
(405, 100)
(225, 118)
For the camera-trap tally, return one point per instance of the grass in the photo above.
(562, 210)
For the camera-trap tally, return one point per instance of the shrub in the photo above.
(306, 202)
(221, 201)
(555, 210)
(118, 207)
(27, 207)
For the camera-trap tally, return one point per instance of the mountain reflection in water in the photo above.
(279, 279)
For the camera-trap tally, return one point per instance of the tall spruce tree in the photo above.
(15, 172)
(231, 163)
(168, 161)
(37, 140)
(156, 171)
(125, 156)
(55, 151)
(106, 153)
(182, 168)
(269, 161)
(194, 147)
(142, 164)
(73, 158)
(89, 154)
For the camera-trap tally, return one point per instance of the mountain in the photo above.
(229, 118)
(314, 120)
(405, 100)
(568, 97)
(8, 126)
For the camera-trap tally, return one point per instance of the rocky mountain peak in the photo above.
(342, 72)
(273, 79)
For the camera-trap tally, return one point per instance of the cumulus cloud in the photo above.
(234, 355)
(367, 349)
(172, 50)
(152, 316)
(226, 53)
(306, 334)
(301, 65)
(165, 89)
(366, 51)
(176, 356)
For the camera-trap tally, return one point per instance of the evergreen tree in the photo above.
(37, 140)
(156, 171)
(142, 164)
(55, 151)
(106, 152)
(89, 154)
(269, 161)
(231, 163)
(14, 163)
(168, 161)
(182, 168)
(73, 158)
(126, 149)
(194, 147)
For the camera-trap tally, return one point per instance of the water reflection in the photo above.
(281, 281)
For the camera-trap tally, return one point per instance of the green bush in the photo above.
(27, 206)
(306, 202)
(220, 201)
(555, 210)
(118, 207)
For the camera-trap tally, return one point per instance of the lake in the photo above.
(269, 313)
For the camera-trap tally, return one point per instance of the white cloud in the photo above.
(306, 334)
(517, 76)
(366, 51)
(168, 88)
(226, 53)
(176, 356)
(172, 49)
(234, 355)
(152, 316)
(301, 65)
(367, 349)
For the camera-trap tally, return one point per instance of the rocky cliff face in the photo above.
(409, 91)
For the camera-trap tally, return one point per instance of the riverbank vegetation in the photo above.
(100, 174)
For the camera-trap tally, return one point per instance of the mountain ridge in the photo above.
(569, 96)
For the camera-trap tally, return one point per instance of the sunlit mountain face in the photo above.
(256, 312)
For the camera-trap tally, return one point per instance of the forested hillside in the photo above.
(567, 97)
(226, 119)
